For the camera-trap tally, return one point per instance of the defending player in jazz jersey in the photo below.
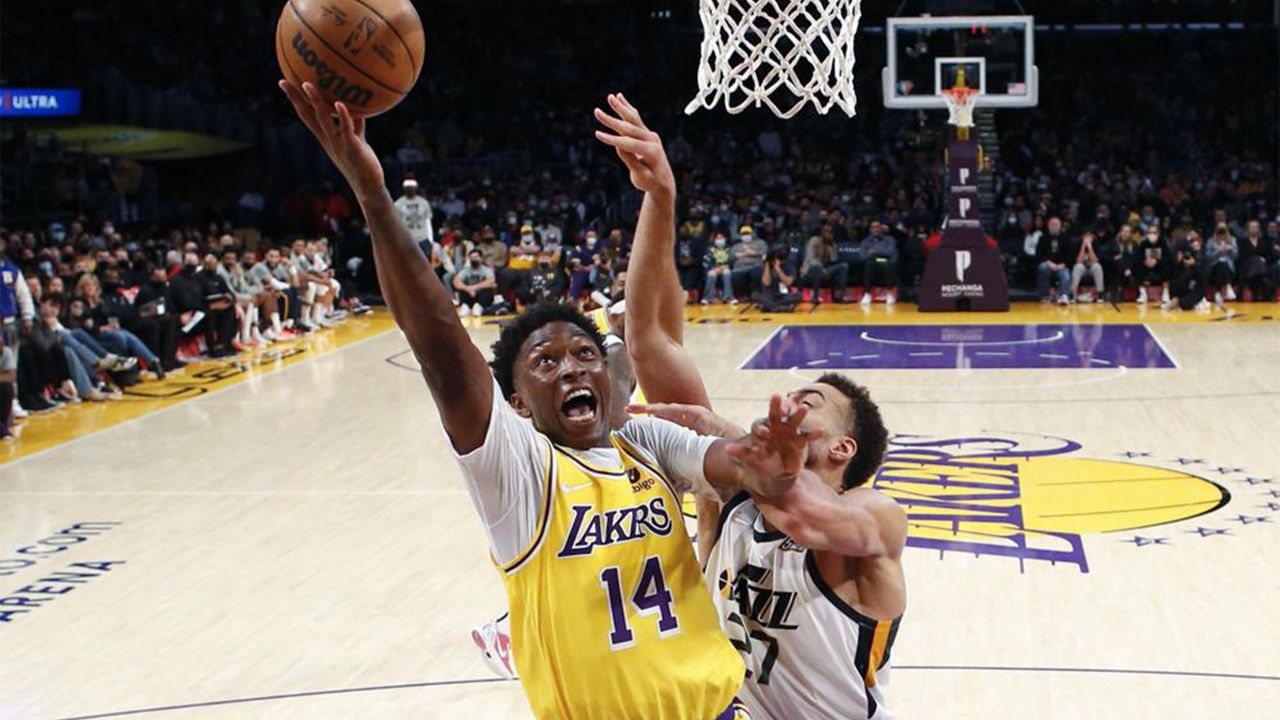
(809, 654)
(808, 581)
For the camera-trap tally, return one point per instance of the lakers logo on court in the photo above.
(1042, 499)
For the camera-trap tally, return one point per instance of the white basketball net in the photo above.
(780, 54)
(960, 103)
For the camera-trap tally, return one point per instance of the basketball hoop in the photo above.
(960, 103)
(779, 54)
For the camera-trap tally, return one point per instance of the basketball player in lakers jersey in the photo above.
(493, 638)
(808, 583)
(610, 616)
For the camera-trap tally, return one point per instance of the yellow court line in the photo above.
(41, 432)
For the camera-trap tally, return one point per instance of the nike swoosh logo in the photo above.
(575, 488)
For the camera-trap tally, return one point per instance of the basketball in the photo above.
(365, 53)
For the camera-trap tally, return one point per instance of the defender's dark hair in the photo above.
(514, 333)
(866, 427)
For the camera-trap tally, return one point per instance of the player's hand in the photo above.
(775, 450)
(695, 417)
(342, 137)
(638, 147)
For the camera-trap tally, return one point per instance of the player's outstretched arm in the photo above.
(857, 523)
(655, 299)
(454, 369)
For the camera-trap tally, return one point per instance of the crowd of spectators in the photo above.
(1157, 181)
(87, 312)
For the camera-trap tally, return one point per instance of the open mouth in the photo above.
(580, 406)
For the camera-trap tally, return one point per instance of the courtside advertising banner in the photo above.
(41, 102)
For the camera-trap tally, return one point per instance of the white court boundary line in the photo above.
(161, 411)
(750, 356)
(1163, 349)
(1123, 370)
(1058, 335)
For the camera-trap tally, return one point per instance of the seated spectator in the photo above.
(581, 263)
(605, 282)
(546, 282)
(16, 306)
(103, 322)
(8, 387)
(81, 380)
(246, 292)
(522, 260)
(718, 267)
(312, 286)
(1221, 257)
(151, 318)
(199, 316)
(475, 283)
(748, 262)
(1087, 261)
(220, 310)
(496, 256)
(266, 297)
(1257, 255)
(1188, 281)
(822, 266)
(879, 263)
(1117, 259)
(1273, 241)
(1152, 264)
(689, 261)
(1053, 256)
(776, 282)
(277, 275)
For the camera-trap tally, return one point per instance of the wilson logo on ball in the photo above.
(328, 79)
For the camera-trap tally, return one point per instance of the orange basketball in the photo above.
(366, 53)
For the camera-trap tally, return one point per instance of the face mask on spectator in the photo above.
(46, 268)
(526, 239)
(592, 240)
(475, 264)
(720, 242)
(511, 219)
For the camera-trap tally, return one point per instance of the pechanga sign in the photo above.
(45, 102)
(1032, 498)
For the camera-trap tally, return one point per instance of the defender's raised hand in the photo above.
(342, 137)
(774, 452)
(637, 146)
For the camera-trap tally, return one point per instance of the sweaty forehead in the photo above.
(556, 331)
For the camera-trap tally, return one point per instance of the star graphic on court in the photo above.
(1229, 470)
(1250, 519)
(1131, 454)
(1189, 461)
(1274, 493)
(1140, 541)
(1259, 481)
(1209, 532)
(1272, 506)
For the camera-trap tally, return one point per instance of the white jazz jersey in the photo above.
(808, 654)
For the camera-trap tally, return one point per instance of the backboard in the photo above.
(925, 54)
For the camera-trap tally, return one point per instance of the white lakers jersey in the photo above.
(808, 654)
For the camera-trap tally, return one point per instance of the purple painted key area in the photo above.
(979, 347)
